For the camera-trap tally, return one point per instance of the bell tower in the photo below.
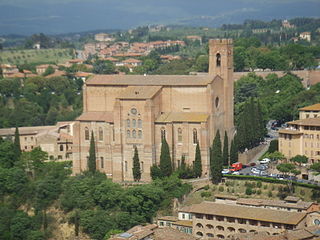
(221, 64)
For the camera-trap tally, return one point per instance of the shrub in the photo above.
(206, 187)
(259, 184)
(248, 191)
(254, 191)
(259, 192)
(232, 190)
(302, 192)
(270, 194)
(265, 186)
(206, 194)
(221, 189)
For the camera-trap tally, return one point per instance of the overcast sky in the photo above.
(61, 16)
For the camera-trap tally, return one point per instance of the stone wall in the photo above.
(245, 157)
(310, 77)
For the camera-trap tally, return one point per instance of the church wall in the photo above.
(102, 98)
(182, 99)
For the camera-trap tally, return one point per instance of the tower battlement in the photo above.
(221, 41)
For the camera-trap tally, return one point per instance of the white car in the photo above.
(225, 171)
(236, 173)
(265, 160)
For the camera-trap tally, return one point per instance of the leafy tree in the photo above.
(7, 154)
(316, 167)
(275, 156)
(92, 155)
(286, 168)
(48, 71)
(165, 159)
(155, 172)
(136, 166)
(34, 161)
(17, 146)
(274, 146)
(197, 167)
(216, 159)
(299, 159)
(225, 153)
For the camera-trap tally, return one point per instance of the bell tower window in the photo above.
(218, 60)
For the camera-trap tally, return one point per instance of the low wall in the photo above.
(247, 156)
(310, 77)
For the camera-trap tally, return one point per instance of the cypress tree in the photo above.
(136, 166)
(216, 159)
(225, 153)
(165, 159)
(16, 143)
(233, 152)
(92, 155)
(197, 167)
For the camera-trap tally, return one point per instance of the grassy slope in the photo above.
(35, 56)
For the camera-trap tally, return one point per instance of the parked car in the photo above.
(225, 171)
(252, 164)
(255, 170)
(262, 167)
(236, 173)
(265, 160)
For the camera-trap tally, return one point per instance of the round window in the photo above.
(133, 111)
(217, 102)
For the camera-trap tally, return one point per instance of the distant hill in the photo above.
(56, 16)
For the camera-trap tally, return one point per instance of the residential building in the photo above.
(103, 37)
(40, 69)
(302, 137)
(287, 24)
(305, 36)
(218, 220)
(9, 70)
(56, 140)
(124, 111)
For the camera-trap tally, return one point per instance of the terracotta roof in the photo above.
(75, 61)
(260, 214)
(171, 234)
(25, 130)
(290, 131)
(314, 107)
(131, 60)
(182, 117)
(168, 218)
(306, 122)
(151, 80)
(274, 203)
(82, 74)
(96, 116)
(184, 223)
(139, 92)
(57, 74)
(225, 196)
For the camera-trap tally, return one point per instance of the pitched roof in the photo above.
(314, 107)
(168, 218)
(151, 80)
(182, 117)
(306, 122)
(131, 60)
(171, 234)
(139, 92)
(184, 223)
(274, 203)
(96, 116)
(260, 214)
(25, 130)
(290, 131)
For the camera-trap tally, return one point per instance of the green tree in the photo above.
(316, 167)
(273, 147)
(197, 167)
(16, 143)
(216, 159)
(299, 159)
(48, 71)
(7, 154)
(155, 172)
(92, 155)
(34, 161)
(233, 152)
(136, 171)
(165, 159)
(225, 152)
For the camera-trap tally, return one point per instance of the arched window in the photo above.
(102, 162)
(134, 123)
(218, 59)
(139, 134)
(163, 133)
(86, 134)
(220, 236)
(134, 134)
(139, 123)
(199, 225)
(195, 136)
(128, 133)
(100, 134)
(210, 235)
(209, 226)
(141, 166)
(128, 123)
(61, 147)
(220, 228)
(179, 135)
(126, 166)
(200, 234)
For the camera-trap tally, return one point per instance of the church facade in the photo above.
(124, 111)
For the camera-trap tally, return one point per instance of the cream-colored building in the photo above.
(302, 137)
(223, 220)
(124, 111)
(56, 140)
